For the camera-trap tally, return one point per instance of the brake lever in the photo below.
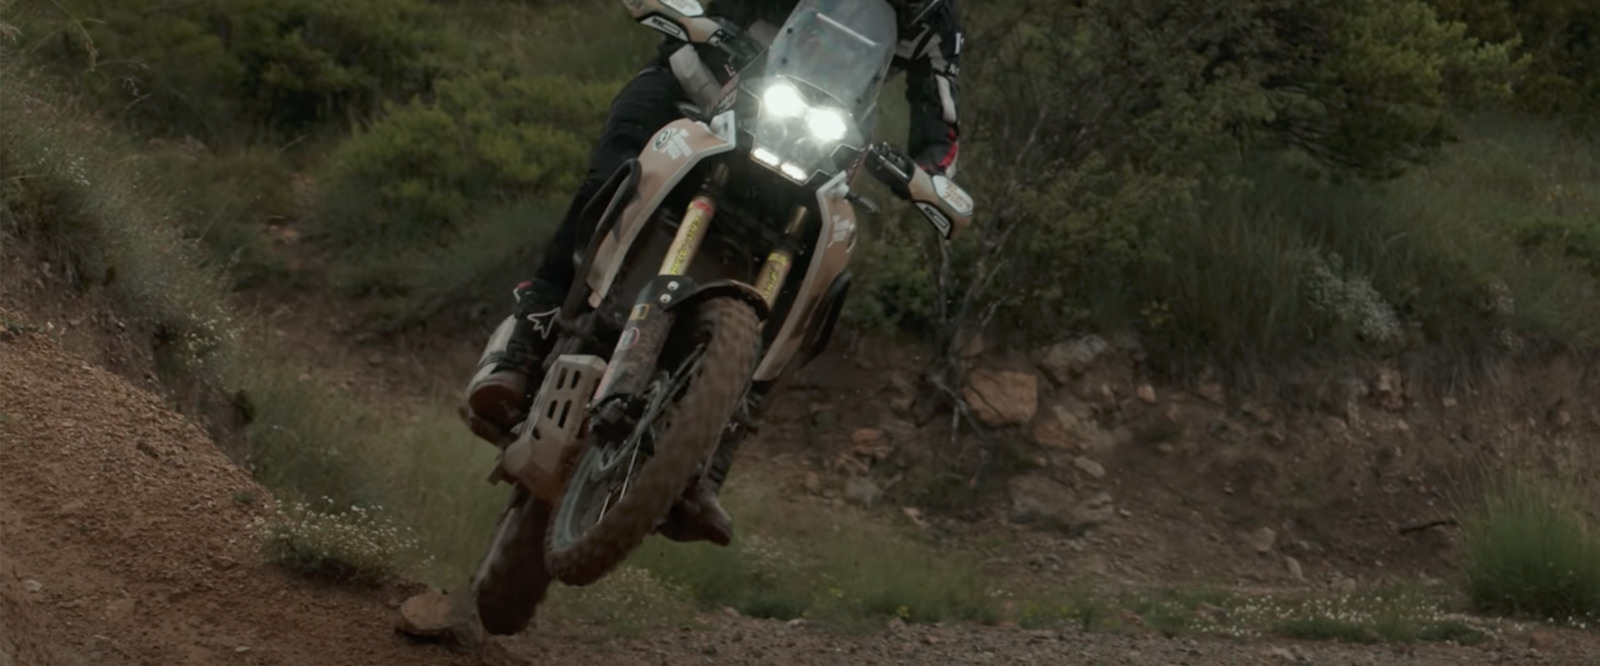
(863, 203)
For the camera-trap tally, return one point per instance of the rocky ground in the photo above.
(123, 541)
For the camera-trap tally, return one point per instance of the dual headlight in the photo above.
(783, 100)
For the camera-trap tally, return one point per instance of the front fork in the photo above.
(634, 358)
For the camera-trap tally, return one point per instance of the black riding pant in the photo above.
(643, 106)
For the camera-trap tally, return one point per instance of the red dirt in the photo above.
(123, 541)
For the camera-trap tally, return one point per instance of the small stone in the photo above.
(1147, 394)
(32, 585)
(1282, 654)
(1089, 467)
(1062, 361)
(915, 515)
(862, 491)
(1449, 402)
(1093, 512)
(871, 443)
(930, 639)
(1212, 391)
(1051, 433)
(1295, 571)
(813, 483)
(1002, 398)
(242, 649)
(1344, 585)
(1262, 540)
(896, 623)
(427, 615)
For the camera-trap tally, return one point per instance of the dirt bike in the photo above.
(717, 264)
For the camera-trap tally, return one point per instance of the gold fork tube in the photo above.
(773, 273)
(693, 230)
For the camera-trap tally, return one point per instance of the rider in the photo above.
(928, 53)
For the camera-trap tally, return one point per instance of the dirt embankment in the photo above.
(124, 539)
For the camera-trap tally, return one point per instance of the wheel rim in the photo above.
(605, 472)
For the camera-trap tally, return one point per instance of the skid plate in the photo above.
(555, 423)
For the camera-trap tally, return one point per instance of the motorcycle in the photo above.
(717, 265)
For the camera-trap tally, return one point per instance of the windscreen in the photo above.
(842, 48)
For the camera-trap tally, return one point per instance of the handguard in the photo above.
(686, 20)
(945, 204)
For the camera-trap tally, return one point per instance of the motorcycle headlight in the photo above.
(783, 99)
(826, 124)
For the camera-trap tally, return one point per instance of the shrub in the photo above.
(430, 173)
(226, 203)
(83, 197)
(1530, 549)
(213, 67)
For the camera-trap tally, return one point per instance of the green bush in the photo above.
(428, 173)
(1531, 550)
(218, 69)
(1118, 135)
(1557, 37)
(226, 203)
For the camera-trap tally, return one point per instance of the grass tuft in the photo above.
(1531, 550)
(357, 545)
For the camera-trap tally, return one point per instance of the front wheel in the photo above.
(619, 491)
(512, 579)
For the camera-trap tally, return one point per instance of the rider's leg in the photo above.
(498, 396)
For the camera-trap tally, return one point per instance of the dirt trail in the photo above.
(122, 541)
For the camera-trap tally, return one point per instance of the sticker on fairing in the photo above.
(843, 229)
(672, 142)
(952, 194)
(723, 126)
(937, 217)
(689, 8)
(667, 26)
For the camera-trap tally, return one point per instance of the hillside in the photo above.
(1273, 341)
(123, 540)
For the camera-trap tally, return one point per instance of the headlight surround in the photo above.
(793, 136)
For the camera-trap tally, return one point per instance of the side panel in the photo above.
(836, 239)
(671, 154)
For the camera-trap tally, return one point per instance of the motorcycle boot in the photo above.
(513, 361)
(698, 515)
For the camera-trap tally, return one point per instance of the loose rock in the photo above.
(1089, 467)
(1262, 540)
(1002, 398)
(862, 491)
(1062, 361)
(1295, 571)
